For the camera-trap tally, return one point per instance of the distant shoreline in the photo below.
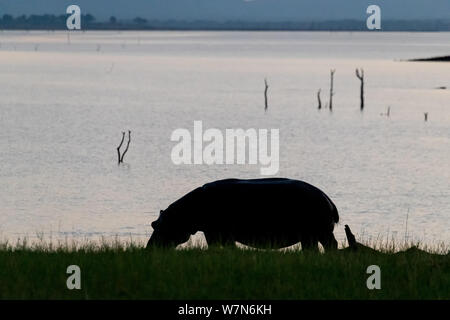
(221, 30)
(89, 22)
(432, 59)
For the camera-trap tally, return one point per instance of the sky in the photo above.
(248, 10)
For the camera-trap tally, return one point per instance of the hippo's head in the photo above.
(168, 232)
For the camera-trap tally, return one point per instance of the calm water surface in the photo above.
(65, 100)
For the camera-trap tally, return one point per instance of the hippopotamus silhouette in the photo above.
(260, 213)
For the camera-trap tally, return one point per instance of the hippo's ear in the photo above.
(155, 224)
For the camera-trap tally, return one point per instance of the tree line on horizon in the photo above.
(89, 22)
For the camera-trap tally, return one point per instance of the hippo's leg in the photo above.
(217, 239)
(328, 241)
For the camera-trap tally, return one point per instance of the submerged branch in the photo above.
(128, 144)
(118, 148)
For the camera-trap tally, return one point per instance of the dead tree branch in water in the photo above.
(128, 144)
(120, 156)
(266, 106)
(332, 71)
(318, 99)
(118, 148)
(360, 76)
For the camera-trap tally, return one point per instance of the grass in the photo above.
(121, 270)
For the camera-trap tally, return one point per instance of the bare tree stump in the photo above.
(319, 100)
(118, 148)
(120, 156)
(388, 112)
(128, 144)
(266, 106)
(360, 76)
(350, 238)
(332, 71)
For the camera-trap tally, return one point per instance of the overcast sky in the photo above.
(251, 10)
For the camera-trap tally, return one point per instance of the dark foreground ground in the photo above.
(115, 272)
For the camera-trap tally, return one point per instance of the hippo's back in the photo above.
(262, 183)
(276, 189)
(267, 203)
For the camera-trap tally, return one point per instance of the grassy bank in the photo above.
(131, 272)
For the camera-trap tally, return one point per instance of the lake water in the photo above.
(66, 99)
